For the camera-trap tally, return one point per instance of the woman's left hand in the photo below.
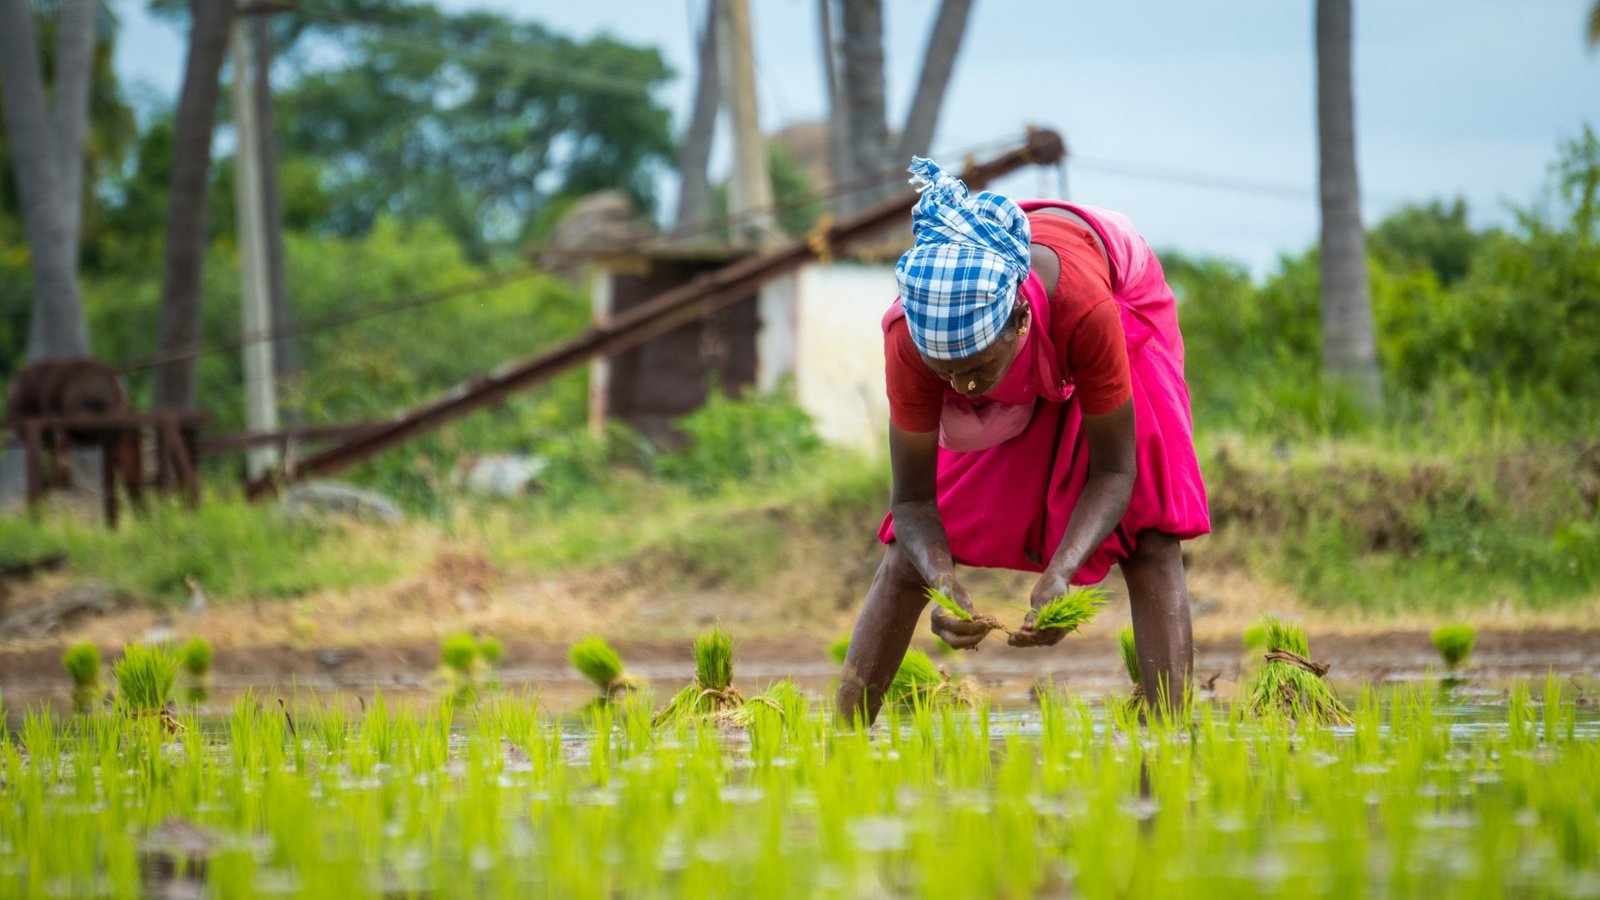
(1051, 585)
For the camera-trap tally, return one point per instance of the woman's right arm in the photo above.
(914, 461)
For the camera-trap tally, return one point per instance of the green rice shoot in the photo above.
(839, 649)
(713, 659)
(82, 662)
(1130, 654)
(1454, 643)
(598, 661)
(1284, 688)
(948, 602)
(919, 681)
(712, 692)
(458, 652)
(197, 658)
(145, 677)
(1071, 610)
(491, 651)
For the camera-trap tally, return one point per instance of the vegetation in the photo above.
(196, 659)
(1291, 684)
(597, 661)
(711, 693)
(145, 677)
(1070, 611)
(82, 662)
(1130, 655)
(1454, 643)
(1071, 799)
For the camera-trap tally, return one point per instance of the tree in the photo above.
(938, 63)
(187, 202)
(694, 193)
(1349, 347)
(476, 121)
(865, 126)
(47, 148)
(1594, 25)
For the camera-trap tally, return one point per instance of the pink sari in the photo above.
(1013, 463)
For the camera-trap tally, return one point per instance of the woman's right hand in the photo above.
(962, 634)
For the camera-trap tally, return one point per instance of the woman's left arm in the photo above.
(1100, 507)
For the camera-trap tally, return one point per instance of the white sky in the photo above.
(1467, 98)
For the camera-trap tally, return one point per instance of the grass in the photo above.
(1454, 643)
(145, 677)
(596, 660)
(1068, 799)
(1130, 654)
(1285, 687)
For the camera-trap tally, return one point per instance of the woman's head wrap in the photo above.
(958, 282)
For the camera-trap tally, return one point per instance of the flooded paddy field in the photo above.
(1490, 789)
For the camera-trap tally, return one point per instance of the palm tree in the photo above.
(47, 156)
(1349, 347)
(861, 79)
(186, 216)
(938, 62)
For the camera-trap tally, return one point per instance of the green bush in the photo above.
(732, 439)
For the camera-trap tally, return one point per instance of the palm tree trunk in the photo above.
(186, 212)
(74, 72)
(58, 328)
(838, 128)
(867, 127)
(1349, 347)
(938, 63)
(285, 361)
(694, 193)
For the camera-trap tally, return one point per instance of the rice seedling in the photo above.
(712, 691)
(597, 661)
(948, 602)
(196, 658)
(462, 672)
(1070, 611)
(82, 662)
(491, 651)
(458, 652)
(839, 649)
(919, 681)
(1290, 683)
(145, 677)
(1454, 643)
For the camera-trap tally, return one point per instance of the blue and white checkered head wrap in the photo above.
(958, 282)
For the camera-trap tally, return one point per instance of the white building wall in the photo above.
(838, 358)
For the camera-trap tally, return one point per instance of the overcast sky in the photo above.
(1196, 119)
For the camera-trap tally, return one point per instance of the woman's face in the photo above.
(976, 375)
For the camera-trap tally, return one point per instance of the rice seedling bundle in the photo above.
(596, 660)
(458, 652)
(82, 662)
(1071, 611)
(839, 649)
(196, 658)
(1454, 643)
(1290, 683)
(145, 677)
(918, 680)
(711, 692)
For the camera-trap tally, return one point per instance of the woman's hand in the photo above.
(1050, 585)
(962, 634)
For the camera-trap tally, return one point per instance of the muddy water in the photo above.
(1088, 666)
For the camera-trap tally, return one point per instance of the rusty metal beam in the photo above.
(659, 315)
(234, 443)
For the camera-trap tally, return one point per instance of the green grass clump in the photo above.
(145, 677)
(1130, 654)
(1454, 643)
(1071, 610)
(82, 662)
(597, 661)
(491, 651)
(197, 657)
(839, 649)
(458, 653)
(711, 692)
(1285, 687)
